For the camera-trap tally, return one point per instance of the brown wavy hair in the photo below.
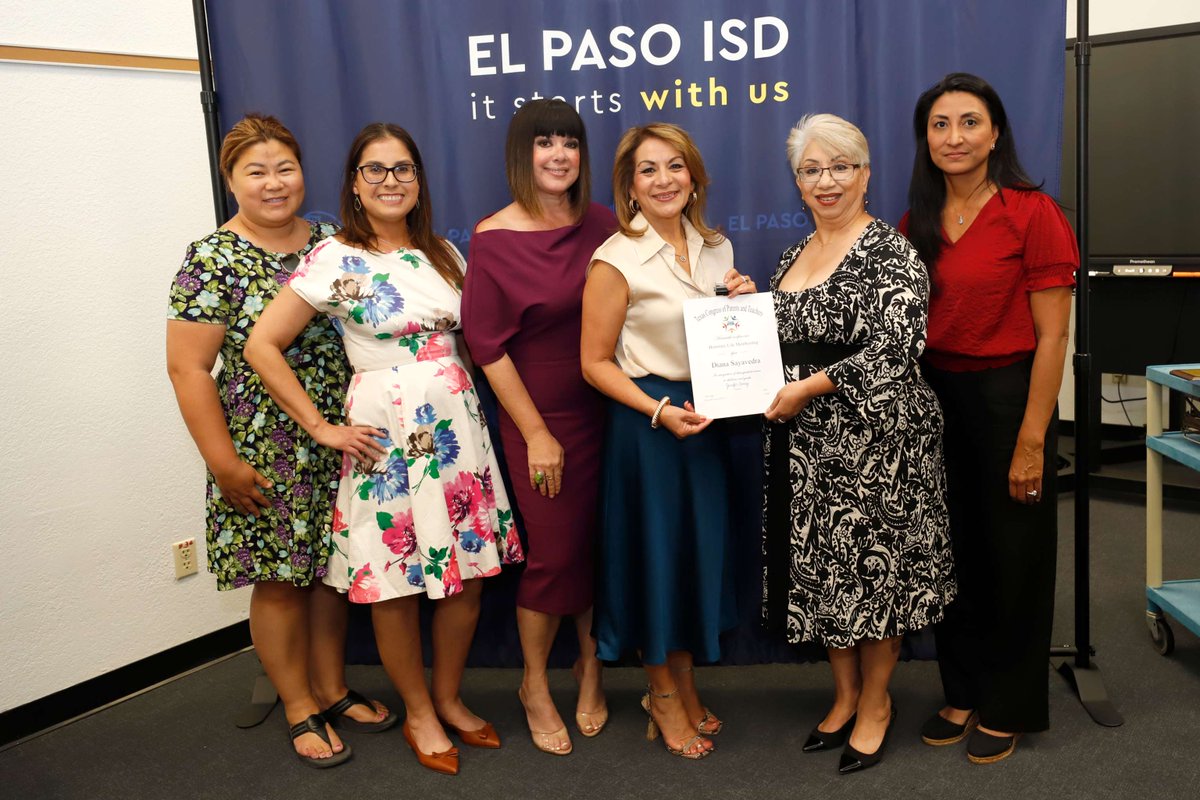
(356, 228)
(250, 130)
(623, 167)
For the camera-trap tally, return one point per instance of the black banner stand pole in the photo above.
(1075, 663)
(208, 102)
(263, 697)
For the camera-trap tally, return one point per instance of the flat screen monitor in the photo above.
(1144, 110)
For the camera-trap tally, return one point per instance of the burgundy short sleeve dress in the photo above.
(523, 298)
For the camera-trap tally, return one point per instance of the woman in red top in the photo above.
(1002, 260)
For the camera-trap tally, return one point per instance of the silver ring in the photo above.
(1031, 494)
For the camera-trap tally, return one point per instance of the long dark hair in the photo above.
(356, 228)
(545, 117)
(927, 189)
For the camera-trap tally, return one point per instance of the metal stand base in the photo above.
(263, 700)
(1088, 686)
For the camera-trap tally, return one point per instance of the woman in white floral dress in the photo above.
(420, 509)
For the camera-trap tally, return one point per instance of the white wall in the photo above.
(1115, 16)
(105, 182)
(135, 27)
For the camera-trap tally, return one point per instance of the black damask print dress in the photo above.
(856, 534)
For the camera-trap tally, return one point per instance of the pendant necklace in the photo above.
(959, 218)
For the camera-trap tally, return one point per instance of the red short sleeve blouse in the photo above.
(979, 314)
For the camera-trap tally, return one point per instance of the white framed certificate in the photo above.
(733, 349)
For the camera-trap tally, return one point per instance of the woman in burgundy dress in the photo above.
(521, 317)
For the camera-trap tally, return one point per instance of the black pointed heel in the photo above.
(854, 761)
(820, 740)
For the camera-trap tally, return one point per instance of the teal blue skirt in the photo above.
(664, 560)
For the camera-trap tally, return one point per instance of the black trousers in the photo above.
(993, 644)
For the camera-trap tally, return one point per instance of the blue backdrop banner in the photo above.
(736, 74)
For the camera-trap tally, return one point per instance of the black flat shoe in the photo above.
(939, 731)
(820, 740)
(854, 761)
(984, 748)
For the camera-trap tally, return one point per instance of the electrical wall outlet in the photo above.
(1120, 379)
(184, 555)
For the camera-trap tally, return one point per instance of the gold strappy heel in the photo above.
(709, 719)
(653, 731)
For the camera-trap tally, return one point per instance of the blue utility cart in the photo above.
(1180, 599)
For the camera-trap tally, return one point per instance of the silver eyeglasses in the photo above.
(840, 172)
(377, 173)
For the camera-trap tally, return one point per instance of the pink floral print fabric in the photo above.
(432, 512)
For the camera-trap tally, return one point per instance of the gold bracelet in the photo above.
(666, 401)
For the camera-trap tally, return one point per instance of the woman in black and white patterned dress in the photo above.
(856, 542)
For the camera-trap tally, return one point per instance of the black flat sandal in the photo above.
(986, 748)
(316, 724)
(939, 731)
(335, 715)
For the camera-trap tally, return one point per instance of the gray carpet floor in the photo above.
(178, 740)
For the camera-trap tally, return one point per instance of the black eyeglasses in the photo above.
(840, 172)
(377, 173)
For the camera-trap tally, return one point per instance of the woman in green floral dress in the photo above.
(270, 487)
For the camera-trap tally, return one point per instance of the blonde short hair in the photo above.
(839, 137)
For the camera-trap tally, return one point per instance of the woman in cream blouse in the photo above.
(664, 583)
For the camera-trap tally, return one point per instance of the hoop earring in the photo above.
(357, 203)
(634, 205)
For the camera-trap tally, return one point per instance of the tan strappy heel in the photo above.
(547, 741)
(589, 723)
